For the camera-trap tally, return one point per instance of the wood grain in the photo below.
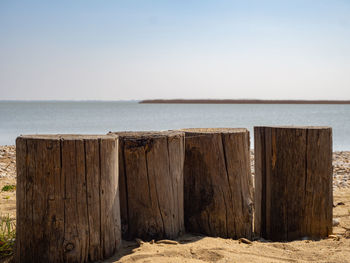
(293, 182)
(68, 202)
(151, 180)
(218, 192)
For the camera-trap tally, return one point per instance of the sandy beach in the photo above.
(192, 248)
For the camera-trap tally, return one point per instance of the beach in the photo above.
(194, 248)
(190, 88)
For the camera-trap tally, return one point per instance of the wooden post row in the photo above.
(67, 198)
(217, 183)
(151, 184)
(293, 182)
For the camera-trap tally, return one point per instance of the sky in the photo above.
(137, 49)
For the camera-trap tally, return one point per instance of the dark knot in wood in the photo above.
(69, 247)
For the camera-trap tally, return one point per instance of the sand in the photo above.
(192, 248)
(208, 249)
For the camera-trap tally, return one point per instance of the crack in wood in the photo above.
(148, 181)
(172, 185)
(102, 245)
(157, 197)
(226, 221)
(126, 185)
(87, 200)
(227, 176)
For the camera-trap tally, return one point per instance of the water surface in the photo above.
(86, 117)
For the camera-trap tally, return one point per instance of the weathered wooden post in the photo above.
(67, 198)
(217, 181)
(151, 184)
(293, 182)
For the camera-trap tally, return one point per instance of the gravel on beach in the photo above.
(8, 162)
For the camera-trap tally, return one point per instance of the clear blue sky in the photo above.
(113, 50)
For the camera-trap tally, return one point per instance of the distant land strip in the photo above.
(200, 101)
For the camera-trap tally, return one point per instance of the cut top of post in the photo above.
(204, 131)
(296, 127)
(146, 134)
(67, 137)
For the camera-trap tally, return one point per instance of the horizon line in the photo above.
(242, 101)
(193, 101)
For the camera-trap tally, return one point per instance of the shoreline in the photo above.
(240, 101)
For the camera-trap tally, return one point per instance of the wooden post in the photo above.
(217, 182)
(293, 182)
(67, 198)
(151, 184)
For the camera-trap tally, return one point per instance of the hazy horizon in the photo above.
(136, 50)
(156, 99)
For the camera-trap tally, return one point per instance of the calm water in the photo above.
(100, 117)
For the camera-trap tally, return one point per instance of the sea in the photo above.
(99, 117)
